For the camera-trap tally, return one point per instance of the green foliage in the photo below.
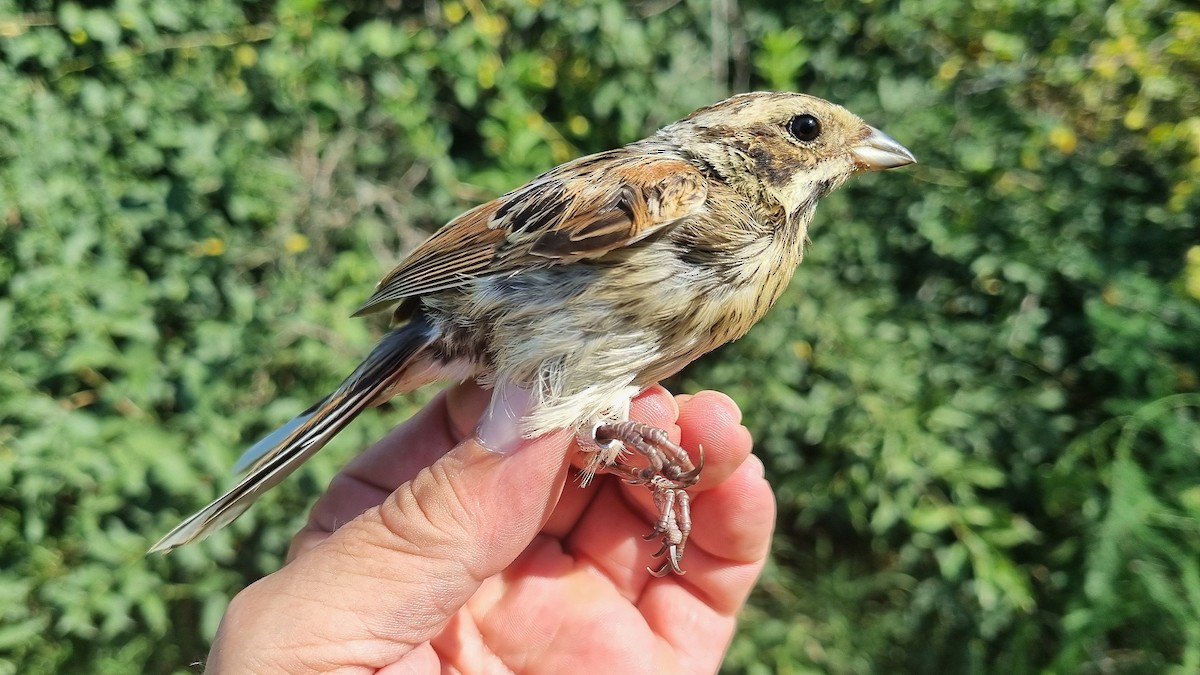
(976, 403)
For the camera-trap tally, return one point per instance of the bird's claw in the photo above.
(670, 565)
(668, 474)
(674, 524)
(689, 478)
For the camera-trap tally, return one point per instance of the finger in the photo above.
(654, 406)
(696, 613)
(446, 421)
(733, 507)
(741, 511)
(732, 526)
(423, 659)
(372, 475)
(709, 420)
(608, 533)
(391, 577)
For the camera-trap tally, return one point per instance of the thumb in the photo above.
(390, 579)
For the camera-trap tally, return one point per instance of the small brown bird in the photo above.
(594, 281)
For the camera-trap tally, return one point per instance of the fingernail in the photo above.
(760, 469)
(499, 429)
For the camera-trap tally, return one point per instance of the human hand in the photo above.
(481, 562)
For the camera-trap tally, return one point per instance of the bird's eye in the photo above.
(804, 127)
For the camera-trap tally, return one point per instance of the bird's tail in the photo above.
(279, 454)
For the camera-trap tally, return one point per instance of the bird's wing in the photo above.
(583, 209)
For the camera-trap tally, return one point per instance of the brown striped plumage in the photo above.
(597, 279)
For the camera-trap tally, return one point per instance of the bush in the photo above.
(977, 403)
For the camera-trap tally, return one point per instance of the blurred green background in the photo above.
(977, 403)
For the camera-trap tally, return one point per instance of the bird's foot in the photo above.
(668, 473)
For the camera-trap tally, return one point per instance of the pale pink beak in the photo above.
(878, 151)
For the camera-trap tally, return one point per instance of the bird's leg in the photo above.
(668, 474)
(666, 459)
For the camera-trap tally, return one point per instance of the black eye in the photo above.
(804, 127)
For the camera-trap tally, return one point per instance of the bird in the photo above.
(592, 282)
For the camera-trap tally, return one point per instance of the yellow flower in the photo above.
(295, 243)
(1063, 139)
(1191, 273)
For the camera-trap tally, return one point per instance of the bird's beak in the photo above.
(878, 151)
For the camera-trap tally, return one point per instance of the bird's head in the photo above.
(787, 150)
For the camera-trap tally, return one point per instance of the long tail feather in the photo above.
(279, 454)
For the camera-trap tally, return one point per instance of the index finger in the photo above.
(392, 461)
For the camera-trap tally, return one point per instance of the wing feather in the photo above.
(583, 209)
